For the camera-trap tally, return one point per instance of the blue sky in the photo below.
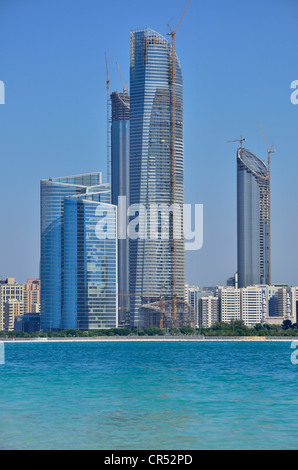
(238, 59)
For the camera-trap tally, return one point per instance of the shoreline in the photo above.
(255, 339)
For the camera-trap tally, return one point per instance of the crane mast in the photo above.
(172, 33)
(269, 151)
(108, 120)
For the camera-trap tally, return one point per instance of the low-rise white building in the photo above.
(208, 311)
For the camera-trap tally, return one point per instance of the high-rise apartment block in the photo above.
(120, 193)
(192, 298)
(32, 296)
(252, 307)
(208, 311)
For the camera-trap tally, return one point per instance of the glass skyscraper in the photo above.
(77, 268)
(120, 188)
(252, 219)
(89, 299)
(152, 127)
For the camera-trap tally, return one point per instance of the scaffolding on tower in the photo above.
(172, 33)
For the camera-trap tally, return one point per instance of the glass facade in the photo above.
(120, 187)
(57, 215)
(89, 264)
(152, 126)
(252, 219)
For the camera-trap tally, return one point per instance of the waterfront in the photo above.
(148, 395)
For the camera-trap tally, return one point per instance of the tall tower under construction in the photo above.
(253, 218)
(156, 167)
(120, 189)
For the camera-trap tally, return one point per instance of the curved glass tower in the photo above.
(252, 219)
(153, 96)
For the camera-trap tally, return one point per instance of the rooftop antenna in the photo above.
(241, 140)
(125, 89)
(269, 151)
(172, 33)
(108, 118)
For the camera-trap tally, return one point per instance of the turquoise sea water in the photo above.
(146, 395)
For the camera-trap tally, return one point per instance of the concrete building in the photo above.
(253, 213)
(156, 165)
(9, 289)
(32, 296)
(192, 298)
(89, 293)
(12, 308)
(120, 191)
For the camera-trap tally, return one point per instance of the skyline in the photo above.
(67, 147)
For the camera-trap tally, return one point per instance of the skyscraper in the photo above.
(120, 188)
(156, 166)
(89, 294)
(252, 219)
(78, 268)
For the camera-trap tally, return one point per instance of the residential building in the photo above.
(120, 194)
(9, 289)
(75, 260)
(156, 169)
(285, 302)
(253, 212)
(27, 323)
(192, 298)
(12, 308)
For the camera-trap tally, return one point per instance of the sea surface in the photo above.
(147, 395)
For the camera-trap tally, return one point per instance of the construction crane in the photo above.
(108, 118)
(125, 89)
(152, 296)
(241, 140)
(269, 151)
(172, 33)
